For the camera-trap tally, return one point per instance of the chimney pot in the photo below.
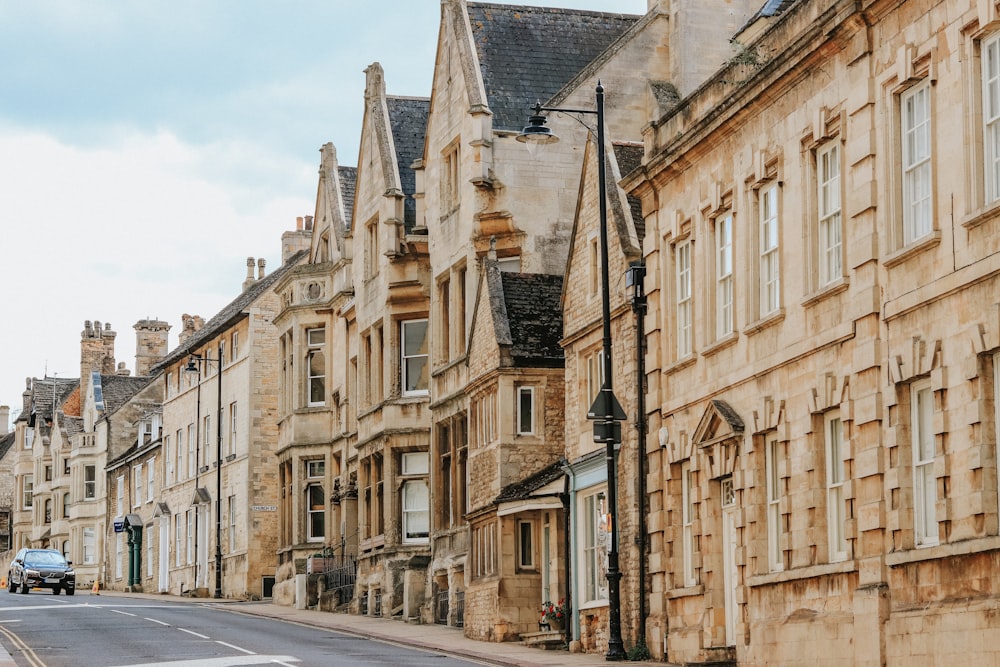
(260, 268)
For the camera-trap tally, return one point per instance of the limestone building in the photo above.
(220, 480)
(317, 463)
(823, 261)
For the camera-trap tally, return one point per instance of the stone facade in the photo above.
(823, 350)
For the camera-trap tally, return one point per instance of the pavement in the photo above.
(436, 638)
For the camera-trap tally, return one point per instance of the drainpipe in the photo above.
(569, 485)
(637, 271)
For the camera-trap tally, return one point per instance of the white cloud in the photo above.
(147, 226)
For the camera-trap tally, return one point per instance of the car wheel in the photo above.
(10, 584)
(70, 589)
(24, 588)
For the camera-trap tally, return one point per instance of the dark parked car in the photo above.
(41, 568)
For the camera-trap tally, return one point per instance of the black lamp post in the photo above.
(606, 411)
(192, 367)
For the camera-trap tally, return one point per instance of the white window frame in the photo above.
(118, 555)
(775, 557)
(150, 479)
(829, 213)
(836, 518)
(687, 524)
(316, 468)
(925, 529)
(526, 411)
(233, 427)
(89, 485)
(770, 261)
(120, 495)
(235, 346)
(990, 67)
(28, 491)
(192, 449)
(526, 545)
(314, 511)
(179, 539)
(89, 546)
(594, 537)
(170, 459)
(685, 296)
(915, 138)
(724, 283)
(137, 480)
(180, 455)
(232, 522)
(189, 535)
(316, 356)
(408, 356)
(416, 507)
(149, 552)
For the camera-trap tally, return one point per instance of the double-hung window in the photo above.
(915, 121)
(89, 482)
(316, 365)
(828, 202)
(835, 515)
(687, 523)
(724, 275)
(416, 497)
(991, 117)
(925, 528)
(770, 283)
(27, 491)
(413, 349)
(685, 307)
(775, 559)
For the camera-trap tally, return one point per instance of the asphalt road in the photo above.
(45, 630)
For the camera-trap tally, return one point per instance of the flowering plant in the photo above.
(554, 611)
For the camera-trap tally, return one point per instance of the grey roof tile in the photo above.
(629, 156)
(534, 317)
(523, 489)
(348, 186)
(530, 53)
(408, 123)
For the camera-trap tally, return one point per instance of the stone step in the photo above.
(544, 640)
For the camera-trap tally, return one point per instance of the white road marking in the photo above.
(10, 620)
(235, 648)
(153, 620)
(123, 613)
(192, 632)
(232, 661)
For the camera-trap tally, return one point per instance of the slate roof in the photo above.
(48, 393)
(229, 314)
(629, 156)
(534, 317)
(523, 489)
(348, 185)
(731, 416)
(530, 53)
(408, 124)
(6, 441)
(118, 389)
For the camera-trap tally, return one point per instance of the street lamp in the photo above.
(192, 367)
(606, 411)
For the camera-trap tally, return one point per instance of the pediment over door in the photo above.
(718, 438)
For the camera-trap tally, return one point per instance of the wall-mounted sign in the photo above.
(264, 508)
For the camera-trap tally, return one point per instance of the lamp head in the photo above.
(536, 134)
(191, 366)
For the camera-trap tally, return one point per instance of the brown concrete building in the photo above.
(822, 245)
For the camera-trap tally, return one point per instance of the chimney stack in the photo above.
(298, 239)
(4, 419)
(260, 268)
(150, 344)
(249, 279)
(190, 324)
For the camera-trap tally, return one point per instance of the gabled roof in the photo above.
(532, 317)
(408, 124)
(229, 314)
(529, 53)
(6, 442)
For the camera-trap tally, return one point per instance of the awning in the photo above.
(161, 509)
(133, 520)
(527, 504)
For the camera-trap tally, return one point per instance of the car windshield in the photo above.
(44, 558)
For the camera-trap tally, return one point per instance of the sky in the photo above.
(148, 148)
